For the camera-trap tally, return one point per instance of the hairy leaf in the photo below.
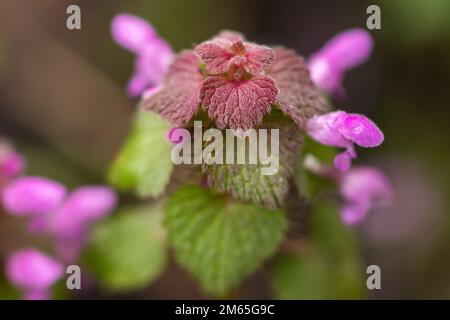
(227, 50)
(237, 104)
(218, 240)
(298, 97)
(144, 164)
(246, 181)
(178, 99)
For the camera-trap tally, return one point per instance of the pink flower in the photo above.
(83, 206)
(154, 55)
(341, 129)
(11, 163)
(66, 218)
(32, 196)
(362, 189)
(70, 222)
(33, 272)
(174, 135)
(344, 51)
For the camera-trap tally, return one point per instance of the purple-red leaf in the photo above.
(221, 53)
(298, 97)
(178, 99)
(238, 104)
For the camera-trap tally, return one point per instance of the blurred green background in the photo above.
(63, 103)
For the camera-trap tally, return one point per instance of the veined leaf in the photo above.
(220, 240)
(247, 181)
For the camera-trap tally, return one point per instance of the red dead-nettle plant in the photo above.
(224, 220)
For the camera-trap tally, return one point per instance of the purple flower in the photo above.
(344, 51)
(154, 54)
(32, 196)
(362, 189)
(341, 129)
(70, 222)
(33, 272)
(11, 163)
(175, 135)
(83, 206)
(66, 219)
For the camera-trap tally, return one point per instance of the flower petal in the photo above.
(137, 84)
(343, 160)
(325, 75)
(238, 104)
(151, 66)
(363, 188)
(323, 129)
(353, 213)
(178, 99)
(175, 136)
(298, 97)
(83, 205)
(366, 185)
(30, 269)
(131, 32)
(360, 129)
(342, 52)
(11, 164)
(348, 48)
(32, 196)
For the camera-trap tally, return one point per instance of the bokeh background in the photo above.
(63, 103)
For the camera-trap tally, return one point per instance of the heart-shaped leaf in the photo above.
(220, 240)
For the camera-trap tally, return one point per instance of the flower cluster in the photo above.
(11, 163)
(362, 189)
(341, 129)
(51, 210)
(153, 54)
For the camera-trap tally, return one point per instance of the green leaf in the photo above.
(144, 163)
(220, 240)
(330, 267)
(128, 250)
(329, 233)
(246, 181)
(300, 278)
(322, 152)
